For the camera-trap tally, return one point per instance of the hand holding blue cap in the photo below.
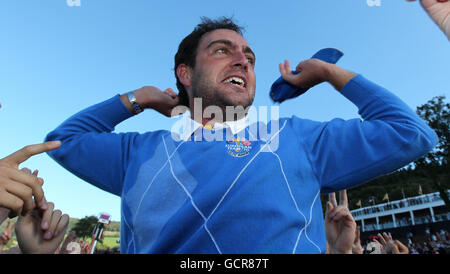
(282, 90)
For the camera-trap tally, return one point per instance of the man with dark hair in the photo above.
(182, 193)
(187, 49)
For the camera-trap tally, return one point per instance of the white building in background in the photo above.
(406, 212)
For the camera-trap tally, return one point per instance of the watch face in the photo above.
(136, 107)
(131, 97)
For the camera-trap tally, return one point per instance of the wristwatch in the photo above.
(136, 107)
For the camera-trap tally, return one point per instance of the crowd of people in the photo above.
(430, 246)
(342, 234)
(419, 244)
(40, 228)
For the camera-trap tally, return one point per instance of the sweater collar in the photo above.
(189, 126)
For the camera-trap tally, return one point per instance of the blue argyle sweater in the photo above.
(261, 195)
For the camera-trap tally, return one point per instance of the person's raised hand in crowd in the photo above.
(86, 247)
(391, 246)
(6, 235)
(34, 238)
(439, 11)
(402, 249)
(4, 212)
(357, 248)
(18, 188)
(340, 227)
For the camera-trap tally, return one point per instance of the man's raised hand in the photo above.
(313, 72)
(154, 98)
(17, 188)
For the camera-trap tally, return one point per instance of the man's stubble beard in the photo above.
(212, 96)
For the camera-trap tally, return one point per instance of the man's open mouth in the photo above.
(235, 80)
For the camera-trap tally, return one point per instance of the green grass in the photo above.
(112, 234)
(108, 242)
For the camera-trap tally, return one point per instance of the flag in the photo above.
(420, 190)
(358, 203)
(386, 197)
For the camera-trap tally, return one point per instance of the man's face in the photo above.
(224, 71)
